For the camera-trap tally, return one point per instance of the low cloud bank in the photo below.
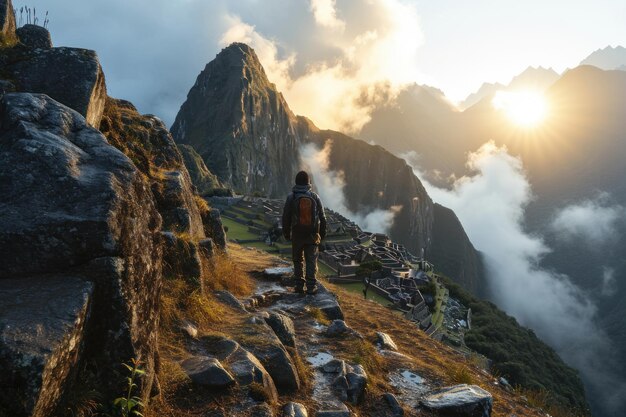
(590, 222)
(490, 205)
(330, 184)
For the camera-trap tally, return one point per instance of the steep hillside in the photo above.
(243, 129)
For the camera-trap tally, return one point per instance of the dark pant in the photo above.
(302, 252)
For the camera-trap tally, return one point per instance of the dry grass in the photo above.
(428, 357)
(543, 400)
(202, 204)
(224, 273)
(318, 315)
(305, 373)
(459, 374)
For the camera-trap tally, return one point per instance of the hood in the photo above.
(299, 189)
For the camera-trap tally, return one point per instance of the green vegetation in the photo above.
(366, 268)
(519, 355)
(129, 405)
(358, 287)
(237, 230)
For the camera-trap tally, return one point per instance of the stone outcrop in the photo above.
(283, 327)
(207, 372)
(243, 129)
(34, 36)
(205, 181)
(41, 340)
(71, 76)
(460, 400)
(73, 204)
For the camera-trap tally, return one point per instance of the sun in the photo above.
(523, 108)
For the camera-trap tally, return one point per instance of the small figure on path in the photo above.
(304, 223)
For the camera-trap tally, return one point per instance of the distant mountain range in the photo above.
(608, 58)
(537, 79)
(576, 156)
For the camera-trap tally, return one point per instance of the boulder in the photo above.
(460, 400)
(283, 327)
(273, 355)
(292, 409)
(7, 23)
(357, 380)
(72, 202)
(34, 36)
(230, 300)
(207, 371)
(247, 370)
(42, 328)
(71, 76)
(385, 341)
(337, 328)
(392, 402)
(326, 301)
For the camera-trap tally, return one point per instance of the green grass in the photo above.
(324, 269)
(237, 230)
(357, 288)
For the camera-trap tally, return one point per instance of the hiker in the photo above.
(304, 223)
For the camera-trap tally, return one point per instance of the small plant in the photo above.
(460, 374)
(31, 17)
(130, 404)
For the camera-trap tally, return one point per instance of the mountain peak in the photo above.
(608, 58)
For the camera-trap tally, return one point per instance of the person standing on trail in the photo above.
(304, 223)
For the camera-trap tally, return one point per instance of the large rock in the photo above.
(460, 400)
(283, 327)
(34, 36)
(292, 409)
(7, 23)
(248, 370)
(271, 352)
(213, 227)
(42, 322)
(148, 143)
(71, 76)
(71, 201)
(385, 341)
(208, 372)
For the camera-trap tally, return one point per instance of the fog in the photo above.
(590, 222)
(330, 184)
(490, 204)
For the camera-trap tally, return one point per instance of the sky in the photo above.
(364, 51)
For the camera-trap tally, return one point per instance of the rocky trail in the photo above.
(286, 354)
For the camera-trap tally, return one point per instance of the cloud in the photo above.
(330, 184)
(325, 13)
(372, 60)
(609, 284)
(591, 222)
(490, 205)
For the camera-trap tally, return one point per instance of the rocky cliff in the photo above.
(241, 126)
(90, 222)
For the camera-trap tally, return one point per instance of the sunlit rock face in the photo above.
(74, 208)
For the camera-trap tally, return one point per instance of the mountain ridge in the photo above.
(258, 150)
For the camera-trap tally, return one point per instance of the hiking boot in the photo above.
(311, 290)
